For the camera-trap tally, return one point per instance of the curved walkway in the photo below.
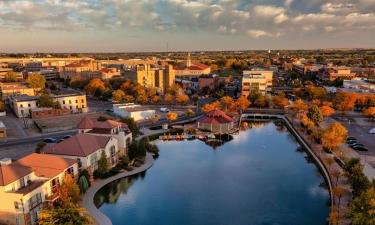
(88, 198)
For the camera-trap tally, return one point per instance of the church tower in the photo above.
(188, 61)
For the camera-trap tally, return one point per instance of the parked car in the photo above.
(67, 136)
(61, 140)
(360, 148)
(164, 110)
(354, 143)
(372, 131)
(50, 140)
(351, 138)
(351, 141)
(357, 145)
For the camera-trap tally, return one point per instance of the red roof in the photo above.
(12, 172)
(216, 117)
(46, 165)
(78, 145)
(87, 123)
(194, 66)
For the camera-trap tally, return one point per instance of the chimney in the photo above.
(5, 161)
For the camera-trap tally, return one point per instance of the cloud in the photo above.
(262, 33)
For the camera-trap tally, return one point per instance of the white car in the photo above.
(372, 131)
(164, 110)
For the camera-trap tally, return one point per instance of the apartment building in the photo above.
(30, 184)
(83, 68)
(137, 112)
(332, 73)
(87, 150)
(208, 81)
(22, 105)
(6, 72)
(160, 78)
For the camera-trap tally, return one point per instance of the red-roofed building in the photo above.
(30, 184)
(109, 128)
(87, 149)
(216, 121)
(191, 69)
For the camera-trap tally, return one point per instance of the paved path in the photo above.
(88, 198)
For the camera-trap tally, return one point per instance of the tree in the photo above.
(334, 216)
(39, 147)
(369, 112)
(45, 100)
(361, 209)
(83, 184)
(137, 149)
(334, 135)
(211, 106)
(315, 115)
(242, 103)
(261, 101)
(10, 77)
(2, 106)
(336, 174)
(327, 110)
(226, 102)
(69, 191)
(103, 165)
(299, 107)
(344, 101)
(155, 99)
(338, 192)
(65, 215)
(189, 113)
(118, 95)
(36, 81)
(94, 85)
(128, 98)
(195, 99)
(182, 99)
(169, 99)
(171, 116)
(131, 125)
(329, 161)
(280, 101)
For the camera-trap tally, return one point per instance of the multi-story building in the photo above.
(80, 69)
(152, 77)
(359, 85)
(208, 81)
(253, 82)
(306, 68)
(6, 72)
(137, 112)
(332, 73)
(87, 150)
(16, 88)
(23, 105)
(191, 69)
(108, 128)
(30, 184)
(256, 78)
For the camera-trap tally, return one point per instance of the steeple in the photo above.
(188, 61)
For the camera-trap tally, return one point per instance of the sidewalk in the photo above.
(88, 198)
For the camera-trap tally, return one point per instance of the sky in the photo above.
(186, 25)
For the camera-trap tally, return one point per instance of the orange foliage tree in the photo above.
(94, 84)
(345, 101)
(226, 102)
(280, 101)
(182, 99)
(334, 135)
(242, 103)
(171, 116)
(211, 106)
(327, 110)
(369, 112)
(299, 107)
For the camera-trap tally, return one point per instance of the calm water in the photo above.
(258, 178)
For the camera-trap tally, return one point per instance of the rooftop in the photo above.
(23, 98)
(12, 172)
(79, 145)
(216, 117)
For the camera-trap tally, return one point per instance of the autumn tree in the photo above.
(67, 214)
(36, 81)
(169, 99)
(280, 101)
(299, 107)
(182, 99)
(155, 99)
(69, 191)
(189, 113)
(211, 106)
(94, 85)
(344, 101)
(369, 112)
(334, 135)
(362, 208)
(226, 102)
(261, 101)
(242, 103)
(45, 100)
(118, 95)
(128, 98)
(171, 116)
(327, 110)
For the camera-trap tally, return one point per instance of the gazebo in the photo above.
(216, 121)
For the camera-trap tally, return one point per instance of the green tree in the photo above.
(65, 215)
(137, 149)
(2, 106)
(69, 191)
(36, 81)
(103, 165)
(45, 100)
(315, 115)
(83, 184)
(118, 95)
(131, 125)
(362, 208)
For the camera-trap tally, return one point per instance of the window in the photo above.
(82, 101)
(63, 102)
(22, 182)
(35, 200)
(29, 105)
(113, 151)
(18, 220)
(70, 101)
(16, 205)
(21, 106)
(76, 100)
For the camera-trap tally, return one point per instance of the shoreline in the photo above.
(87, 201)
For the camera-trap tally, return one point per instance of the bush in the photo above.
(86, 174)
(124, 161)
(39, 147)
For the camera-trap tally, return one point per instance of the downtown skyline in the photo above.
(203, 25)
